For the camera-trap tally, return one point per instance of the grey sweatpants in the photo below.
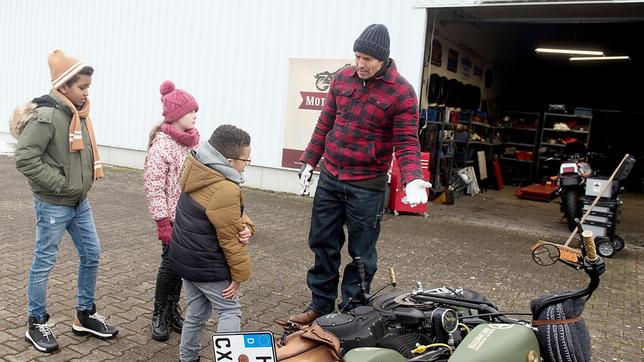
(201, 298)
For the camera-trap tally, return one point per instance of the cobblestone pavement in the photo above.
(481, 243)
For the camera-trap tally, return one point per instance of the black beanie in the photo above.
(374, 41)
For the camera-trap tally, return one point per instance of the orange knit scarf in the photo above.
(76, 135)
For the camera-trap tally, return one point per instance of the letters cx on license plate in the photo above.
(244, 347)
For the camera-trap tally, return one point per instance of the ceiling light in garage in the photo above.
(615, 57)
(569, 51)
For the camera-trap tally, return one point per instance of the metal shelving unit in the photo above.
(552, 140)
(439, 134)
(519, 134)
(467, 147)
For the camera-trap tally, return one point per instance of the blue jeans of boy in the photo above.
(335, 204)
(51, 223)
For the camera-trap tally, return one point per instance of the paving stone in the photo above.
(120, 346)
(95, 355)
(62, 355)
(171, 356)
(6, 351)
(32, 354)
(84, 347)
(130, 356)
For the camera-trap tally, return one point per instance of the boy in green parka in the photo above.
(57, 152)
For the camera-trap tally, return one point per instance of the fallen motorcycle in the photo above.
(456, 324)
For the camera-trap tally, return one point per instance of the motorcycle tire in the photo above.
(488, 78)
(460, 95)
(466, 95)
(452, 93)
(386, 303)
(618, 241)
(433, 88)
(476, 97)
(570, 200)
(442, 94)
(604, 247)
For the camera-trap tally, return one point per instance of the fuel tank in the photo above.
(498, 342)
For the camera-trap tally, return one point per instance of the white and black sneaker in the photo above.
(40, 335)
(92, 323)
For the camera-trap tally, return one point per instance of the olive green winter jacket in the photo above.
(55, 175)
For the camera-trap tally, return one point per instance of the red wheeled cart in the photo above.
(396, 192)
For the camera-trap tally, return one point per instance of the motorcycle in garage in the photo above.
(573, 172)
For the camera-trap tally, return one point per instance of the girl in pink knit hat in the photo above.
(169, 144)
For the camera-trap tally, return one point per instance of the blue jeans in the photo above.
(51, 223)
(337, 203)
(200, 299)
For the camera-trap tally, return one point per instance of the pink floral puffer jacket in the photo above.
(161, 173)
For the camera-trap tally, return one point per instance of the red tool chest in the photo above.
(396, 192)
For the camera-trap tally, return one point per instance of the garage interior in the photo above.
(518, 85)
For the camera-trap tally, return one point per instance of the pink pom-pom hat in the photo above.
(176, 102)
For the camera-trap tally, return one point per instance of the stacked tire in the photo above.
(452, 93)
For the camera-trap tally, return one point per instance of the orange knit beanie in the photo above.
(63, 67)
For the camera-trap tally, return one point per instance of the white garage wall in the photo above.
(231, 55)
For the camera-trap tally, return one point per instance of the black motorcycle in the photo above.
(456, 324)
(571, 181)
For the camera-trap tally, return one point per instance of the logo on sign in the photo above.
(323, 79)
(315, 100)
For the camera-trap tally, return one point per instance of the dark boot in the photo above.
(92, 323)
(159, 327)
(40, 335)
(173, 314)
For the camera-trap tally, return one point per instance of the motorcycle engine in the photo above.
(401, 330)
(362, 327)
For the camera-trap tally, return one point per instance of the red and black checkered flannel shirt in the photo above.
(362, 122)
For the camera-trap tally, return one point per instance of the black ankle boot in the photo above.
(173, 313)
(159, 325)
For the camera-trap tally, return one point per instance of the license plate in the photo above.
(244, 347)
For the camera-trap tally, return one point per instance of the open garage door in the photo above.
(507, 52)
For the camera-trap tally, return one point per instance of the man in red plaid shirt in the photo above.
(370, 111)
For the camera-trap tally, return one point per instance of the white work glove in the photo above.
(305, 174)
(416, 192)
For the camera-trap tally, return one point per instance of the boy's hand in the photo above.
(231, 291)
(244, 235)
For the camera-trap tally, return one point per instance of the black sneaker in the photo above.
(90, 322)
(40, 335)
